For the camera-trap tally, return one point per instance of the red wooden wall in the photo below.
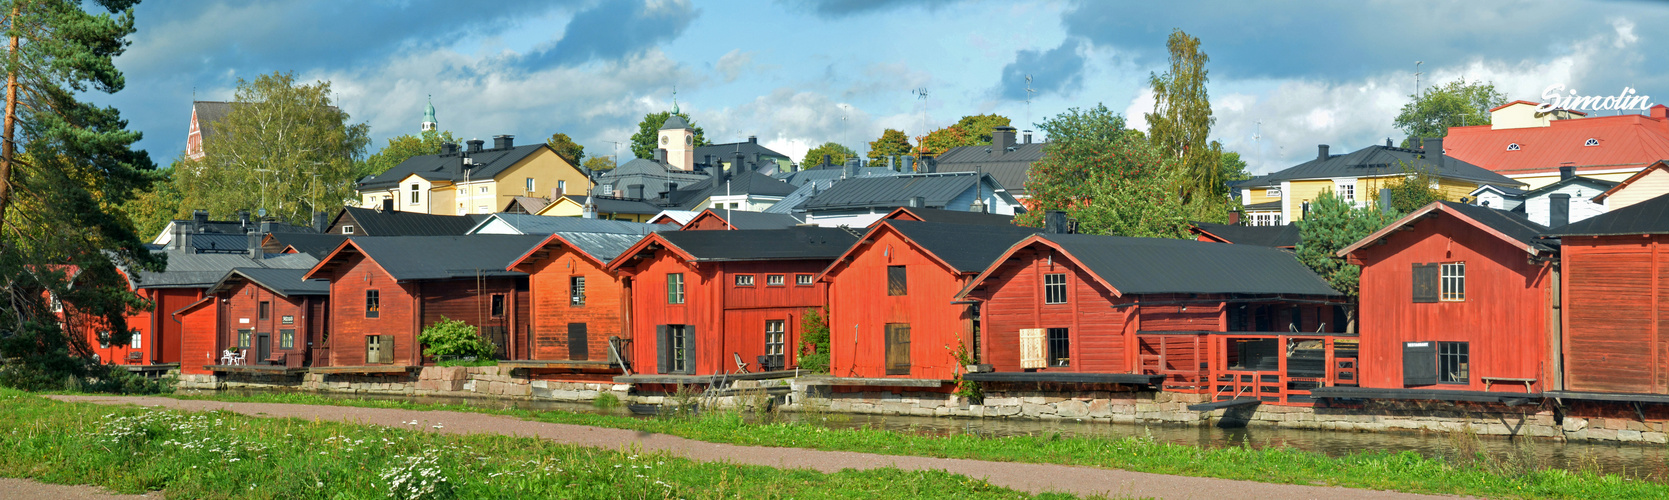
(470, 301)
(198, 346)
(241, 308)
(1013, 295)
(1616, 305)
(729, 321)
(349, 326)
(168, 300)
(860, 309)
(553, 308)
(706, 221)
(1504, 317)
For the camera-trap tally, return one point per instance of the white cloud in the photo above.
(733, 63)
(1135, 115)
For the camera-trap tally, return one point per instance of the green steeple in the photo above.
(429, 112)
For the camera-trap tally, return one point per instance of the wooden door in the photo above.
(577, 339)
(898, 349)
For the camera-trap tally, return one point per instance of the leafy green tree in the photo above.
(1111, 180)
(1331, 225)
(1455, 104)
(892, 142)
(1181, 120)
(979, 126)
(644, 142)
(450, 337)
(63, 235)
(971, 130)
(1411, 191)
(284, 147)
(402, 148)
(1233, 168)
(600, 163)
(151, 209)
(814, 342)
(570, 151)
(837, 155)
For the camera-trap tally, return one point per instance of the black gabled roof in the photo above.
(1600, 184)
(1160, 265)
(1011, 170)
(968, 248)
(1647, 217)
(795, 243)
(1263, 236)
(612, 205)
(209, 112)
(746, 182)
(960, 217)
(284, 282)
(1382, 161)
(409, 258)
(450, 166)
(727, 152)
(317, 245)
(1514, 225)
(742, 220)
(378, 223)
(937, 190)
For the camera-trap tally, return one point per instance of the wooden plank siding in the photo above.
(398, 315)
(241, 308)
(1615, 314)
(168, 339)
(860, 310)
(199, 346)
(1503, 317)
(553, 310)
(1013, 299)
(470, 301)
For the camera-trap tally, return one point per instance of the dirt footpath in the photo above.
(24, 488)
(1019, 476)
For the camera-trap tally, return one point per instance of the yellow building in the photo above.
(1283, 197)
(473, 180)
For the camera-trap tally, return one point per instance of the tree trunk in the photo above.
(8, 149)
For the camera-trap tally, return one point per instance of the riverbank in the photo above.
(197, 454)
(1463, 471)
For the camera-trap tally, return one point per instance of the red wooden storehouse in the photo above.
(1180, 314)
(385, 290)
(577, 305)
(1456, 305)
(185, 331)
(949, 216)
(893, 311)
(275, 320)
(1616, 303)
(711, 219)
(707, 303)
(98, 332)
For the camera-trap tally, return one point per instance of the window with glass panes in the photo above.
(373, 303)
(1054, 288)
(1454, 363)
(773, 280)
(775, 334)
(287, 339)
(1060, 347)
(675, 288)
(802, 279)
(576, 290)
(1453, 278)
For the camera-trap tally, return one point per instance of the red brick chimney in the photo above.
(1659, 112)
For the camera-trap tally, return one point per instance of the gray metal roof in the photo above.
(938, 190)
(739, 219)
(813, 182)
(961, 217)
(1011, 169)
(1514, 225)
(969, 248)
(1159, 265)
(541, 224)
(1383, 161)
(1599, 184)
(284, 282)
(378, 223)
(1647, 217)
(674, 122)
(1264, 236)
(602, 246)
(195, 270)
(441, 257)
(317, 245)
(727, 152)
(487, 164)
(796, 243)
(612, 205)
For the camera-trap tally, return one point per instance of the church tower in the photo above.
(678, 139)
(429, 116)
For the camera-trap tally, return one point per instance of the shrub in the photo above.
(814, 342)
(606, 401)
(450, 337)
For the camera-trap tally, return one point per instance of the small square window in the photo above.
(263, 310)
(675, 288)
(744, 280)
(1454, 362)
(497, 306)
(1054, 288)
(347, 230)
(483, 189)
(774, 280)
(802, 279)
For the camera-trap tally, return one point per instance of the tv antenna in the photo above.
(1417, 74)
(921, 95)
(1029, 93)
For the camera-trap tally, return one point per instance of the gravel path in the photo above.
(25, 488)
(1019, 476)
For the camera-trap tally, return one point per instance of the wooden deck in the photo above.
(256, 369)
(559, 363)
(702, 379)
(882, 382)
(363, 369)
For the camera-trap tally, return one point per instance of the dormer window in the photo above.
(1512, 147)
(1591, 142)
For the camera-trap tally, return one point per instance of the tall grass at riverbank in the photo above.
(1463, 472)
(226, 455)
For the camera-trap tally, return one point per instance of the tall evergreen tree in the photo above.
(1181, 120)
(65, 167)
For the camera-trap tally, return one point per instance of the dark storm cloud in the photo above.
(615, 29)
(1059, 71)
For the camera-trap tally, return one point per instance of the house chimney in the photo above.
(448, 148)
(1054, 222)
(735, 166)
(1321, 152)
(1385, 205)
(199, 218)
(1558, 210)
(1028, 137)
(978, 206)
(1566, 172)
(243, 220)
(909, 165)
(660, 155)
(178, 230)
(753, 139)
(929, 164)
(388, 205)
(849, 170)
(828, 160)
(1234, 217)
(255, 250)
(1002, 138)
(1659, 112)
(1434, 149)
(917, 202)
(182, 237)
(321, 221)
(634, 191)
(475, 145)
(504, 141)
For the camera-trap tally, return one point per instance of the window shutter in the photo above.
(689, 348)
(1425, 283)
(1031, 348)
(370, 354)
(663, 349)
(1419, 363)
(577, 348)
(387, 349)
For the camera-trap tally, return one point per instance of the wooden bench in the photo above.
(1489, 381)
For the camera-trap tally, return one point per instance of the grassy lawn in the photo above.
(1462, 473)
(225, 455)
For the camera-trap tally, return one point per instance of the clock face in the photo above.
(689, 139)
(663, 140)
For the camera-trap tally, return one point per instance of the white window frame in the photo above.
(1346, 190)
(347, 229)
(561, 188)
(804, 279)
(776, 336)
(482, 190)
(530, 185)
(1451, 277)
(775, 280)
(415, 196)
(744, 280)
(1054, 282)
(135, 342)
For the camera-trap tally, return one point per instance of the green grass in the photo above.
(1464, 472)
(226, 455)
(468, 362)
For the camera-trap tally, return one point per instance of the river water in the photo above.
(1642, 461)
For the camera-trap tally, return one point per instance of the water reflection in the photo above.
(1629, 460)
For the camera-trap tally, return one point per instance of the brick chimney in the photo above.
(504, 141)
(1002, 138)
(475, 145)
(1659, 112)
(1321, 152)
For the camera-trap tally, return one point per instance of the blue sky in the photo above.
(1285, 75)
